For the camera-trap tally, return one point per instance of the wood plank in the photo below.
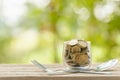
(31, 72)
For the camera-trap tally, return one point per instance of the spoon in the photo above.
(49, 71)
(97, 70)
(106, 65)
(102, 67)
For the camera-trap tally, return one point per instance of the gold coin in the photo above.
(81, 59)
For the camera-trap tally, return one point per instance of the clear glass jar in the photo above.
(76, 54)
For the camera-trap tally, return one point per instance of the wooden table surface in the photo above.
(31, 72)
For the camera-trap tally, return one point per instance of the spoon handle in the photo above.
(39, 65)
(95, 72)
(87, 72)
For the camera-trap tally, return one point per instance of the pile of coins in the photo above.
(76, 53)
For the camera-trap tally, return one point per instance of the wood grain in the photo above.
(31, 72)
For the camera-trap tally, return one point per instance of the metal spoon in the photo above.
(49, 71)
(97, 70)
(106, 65)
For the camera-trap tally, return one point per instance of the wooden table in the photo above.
(31, 72)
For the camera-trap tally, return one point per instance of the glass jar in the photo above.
(76, 54)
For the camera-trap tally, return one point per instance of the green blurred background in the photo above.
(36, 29)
